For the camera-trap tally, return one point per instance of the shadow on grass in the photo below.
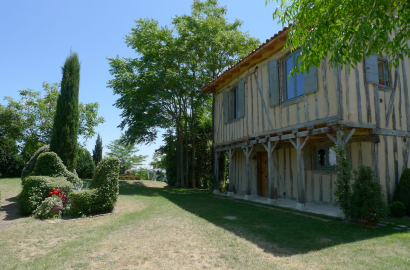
(281, 233)
(10, 210)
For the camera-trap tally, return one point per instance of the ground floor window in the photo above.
(325, 158)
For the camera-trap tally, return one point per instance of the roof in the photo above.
(242, 62)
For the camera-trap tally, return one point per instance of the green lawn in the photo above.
(164, 228)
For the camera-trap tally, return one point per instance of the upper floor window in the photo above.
(293, 86)
(383, 71)
(234, 99)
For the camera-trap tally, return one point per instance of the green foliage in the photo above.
(125, 153)
(104, 193)
(43, 211)
(402, 192)
(397, 209)
(29, 168)
(11, 163)
(29, 120)
(66, 121)
(347, 31)
(85, 165)
(36, 189)
(98, 150)
(367, 205)
(342, 192)
(0, 199)
(49, 164)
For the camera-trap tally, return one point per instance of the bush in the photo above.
(367, 203)
(49, 164)
(43, 210)
(36, 189)
(11, 163)
(85, 165)
(397, 209)
(104, 193)
(29, 168)
(402, 192)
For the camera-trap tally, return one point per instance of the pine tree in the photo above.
(98, 149)
(66, 121)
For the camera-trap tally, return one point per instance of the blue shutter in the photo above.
(240, 97)
(372, 73)
(273, 83)
(226, 107)
(310, 81)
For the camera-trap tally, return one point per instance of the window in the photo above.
(293, 84)
(325, 158)
(383, 71)
(234, 99)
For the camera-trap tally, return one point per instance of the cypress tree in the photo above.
(98, 149)
(66, 120)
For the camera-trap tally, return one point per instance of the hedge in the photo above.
(49, 164)
(29, 168)
(37, 188)
(402, 192)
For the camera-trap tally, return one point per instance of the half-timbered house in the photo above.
(278, 129)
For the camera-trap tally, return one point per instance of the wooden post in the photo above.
(272, 184)
(301, 172)
(230, 154)
(248, 150)
(216, 172)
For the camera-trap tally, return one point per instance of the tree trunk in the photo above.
(178, 180)
(180, 156)
(186, 150)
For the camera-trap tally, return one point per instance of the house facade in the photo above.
(278, 130)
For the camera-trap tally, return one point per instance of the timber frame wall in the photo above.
(371, 121)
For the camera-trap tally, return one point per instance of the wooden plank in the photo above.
(320, 188)
(400, 102)
(284, 169)
(347, 91)
(377, 105)
(316, 107)
(348, 136)
(391, 132)
(231, 169)
(387, 172)
(287, 116)
(325, 90)
(297, 113)
(392, 96)
(306, 108)
(359, 99)
(263, 104)
(313, 132)
(339, 92)
(312, 176)
(333, 139)
(375, 160)
(360, 154)
(252, 118)
(357, 124)
(396, 161)
(406, 95)
(367, 93)
(291, 173)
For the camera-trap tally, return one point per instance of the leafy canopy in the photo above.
(126, 154)
(347, 31)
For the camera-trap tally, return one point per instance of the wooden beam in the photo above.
(333, 139)
(231, 152)
(247, 151)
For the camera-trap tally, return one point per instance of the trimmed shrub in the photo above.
(29, 168)
(43, 211)
(397, 209)
(402, 192)
(367, 203)
(104, 193)
(85, 165)
(49, 164)
(37, 188)
(84, 203)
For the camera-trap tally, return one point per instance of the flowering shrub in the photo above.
(43, 211)
(57, 194)
(37, 188)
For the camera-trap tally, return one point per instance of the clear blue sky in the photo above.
(36, 37)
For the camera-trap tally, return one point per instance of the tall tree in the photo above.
(161, 88)
(347, 31)
(29, 120)
(66, 121)
(126, 153)
(98, 150)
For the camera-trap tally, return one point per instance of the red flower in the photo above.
(63, 193)
(63, 199)
(55, 192)
(60, 191)
(51, 193)
(54, 189)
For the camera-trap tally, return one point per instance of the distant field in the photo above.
(156, 227)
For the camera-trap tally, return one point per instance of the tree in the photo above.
(85, 166)
(98, 150)
(29, 120)
(161, 88)
(66, 121)
(126, 154)
(347, 31)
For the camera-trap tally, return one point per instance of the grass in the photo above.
(154, 227)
